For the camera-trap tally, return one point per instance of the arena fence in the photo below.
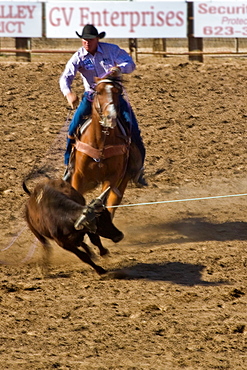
(136, 47)
(195, 48)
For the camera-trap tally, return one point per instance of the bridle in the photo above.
(110, 119)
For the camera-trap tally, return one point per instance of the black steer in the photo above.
(55, 210)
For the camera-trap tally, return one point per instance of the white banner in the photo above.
(20, 19)
(220, 19)
(121, 19)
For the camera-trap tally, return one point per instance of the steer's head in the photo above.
(88, 217)
(97, 219)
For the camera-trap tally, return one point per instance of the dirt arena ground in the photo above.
(183, 302)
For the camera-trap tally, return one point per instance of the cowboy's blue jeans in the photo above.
(85, 109)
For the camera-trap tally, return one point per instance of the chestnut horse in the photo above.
(103, 151)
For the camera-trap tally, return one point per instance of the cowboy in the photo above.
(93, 59)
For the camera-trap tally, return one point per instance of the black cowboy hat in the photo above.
(90, 32)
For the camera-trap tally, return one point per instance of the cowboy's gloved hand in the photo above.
(115, 69)
(73, 99)
(115, 72)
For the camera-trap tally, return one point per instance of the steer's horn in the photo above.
(80, 222)
(89, 214)
(103, 195)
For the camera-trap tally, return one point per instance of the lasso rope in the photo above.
(29, 254)
(178, 200)
(37, 170)
(13, 240)
(34, 245)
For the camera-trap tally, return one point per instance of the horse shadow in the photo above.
(200, 230)
(189, 230)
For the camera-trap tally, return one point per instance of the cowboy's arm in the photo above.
(73, 99)
(124, 61)
(67, 78)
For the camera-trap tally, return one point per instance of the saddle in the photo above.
(109, 150)
(134, 167)
(123, 126)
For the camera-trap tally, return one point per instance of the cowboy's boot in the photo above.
(139, 180)
(67, 160)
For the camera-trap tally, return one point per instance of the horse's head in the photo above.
(106, 99)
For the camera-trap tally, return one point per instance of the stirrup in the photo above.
(67, 174)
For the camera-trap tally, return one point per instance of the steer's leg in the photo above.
(47, 249)
(87, 249)
(95, 239)
(85, 258)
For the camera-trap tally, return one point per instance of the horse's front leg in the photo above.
(118, 184)
(115, 196)
(113, 200)
(80, 179)
(78, 183)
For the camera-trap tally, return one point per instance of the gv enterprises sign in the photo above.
(20, 19)
(220, 19)
(122, 19)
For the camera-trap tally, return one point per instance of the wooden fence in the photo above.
(12, 48)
